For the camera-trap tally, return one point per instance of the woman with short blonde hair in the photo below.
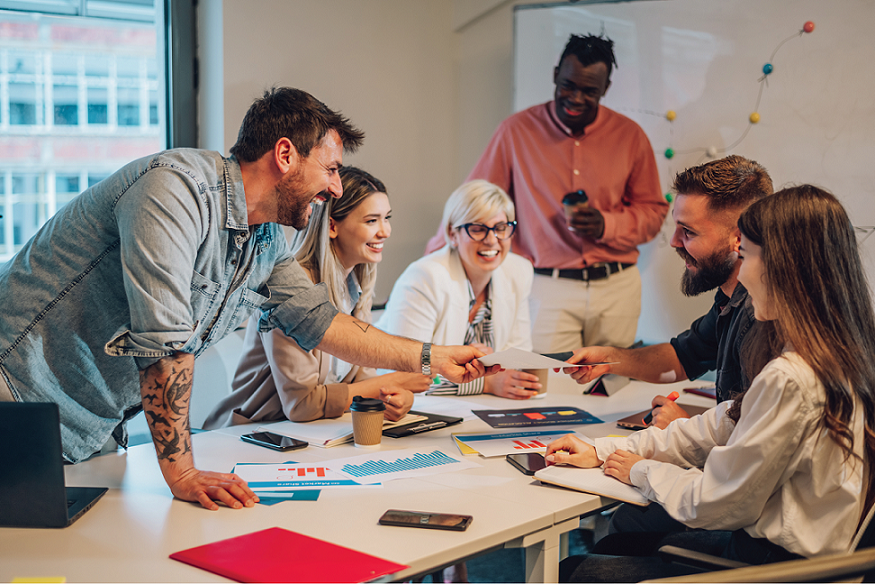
(473, 291)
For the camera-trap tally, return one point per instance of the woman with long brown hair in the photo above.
(783, 470)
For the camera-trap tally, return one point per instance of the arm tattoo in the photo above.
(170, 414)
(363, 326)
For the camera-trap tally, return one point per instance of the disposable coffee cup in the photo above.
(542, 379)
(571, 202)
(367, 421)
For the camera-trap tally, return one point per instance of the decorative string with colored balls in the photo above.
(753, 118)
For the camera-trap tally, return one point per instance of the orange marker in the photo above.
(649, 417)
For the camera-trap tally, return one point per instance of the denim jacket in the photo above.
(157, 259)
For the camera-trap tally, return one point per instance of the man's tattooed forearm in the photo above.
(168, 397)
(177, 391)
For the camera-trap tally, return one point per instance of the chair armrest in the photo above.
(679, 555)
(824, 569)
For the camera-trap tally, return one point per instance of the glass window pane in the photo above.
(153, 108)
(93, 179)
(128, 68)
(98, 110)
(73, 87)
(65, 183)
(65, 65)
(66, 106)
(22, 104)
(27, 219)
(22, 63)
(128, 107)
(96, 66)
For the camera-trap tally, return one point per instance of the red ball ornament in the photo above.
(808, 26)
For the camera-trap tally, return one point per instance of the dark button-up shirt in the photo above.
(714, 341)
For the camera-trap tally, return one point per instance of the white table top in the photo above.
(129, 534)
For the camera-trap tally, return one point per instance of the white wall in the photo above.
(388, 65)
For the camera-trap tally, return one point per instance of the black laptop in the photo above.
(32, 490)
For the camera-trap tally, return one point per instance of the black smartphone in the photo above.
(426, 520)
(274, 441)
(527, 462)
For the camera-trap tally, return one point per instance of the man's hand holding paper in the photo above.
(520, 359)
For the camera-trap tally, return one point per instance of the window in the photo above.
(82, 92)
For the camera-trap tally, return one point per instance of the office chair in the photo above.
(859, 562)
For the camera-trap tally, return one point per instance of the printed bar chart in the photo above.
(417, 461)
(528, 446)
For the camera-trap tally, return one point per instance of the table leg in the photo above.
(542, 551)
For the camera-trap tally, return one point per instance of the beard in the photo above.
(292, 203)
(711, 271)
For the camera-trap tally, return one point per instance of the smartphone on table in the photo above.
(274, 441)
(527, 463)
(447, 521)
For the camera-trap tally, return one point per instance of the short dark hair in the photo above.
(591, 49)
(284, 112)
(733, 182)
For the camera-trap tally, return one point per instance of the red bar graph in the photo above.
(529, 446)
(319, 470)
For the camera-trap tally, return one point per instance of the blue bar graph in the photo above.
(417, 461)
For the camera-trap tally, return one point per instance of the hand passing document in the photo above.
(520, 359)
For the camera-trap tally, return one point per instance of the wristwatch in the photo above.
(426, 359)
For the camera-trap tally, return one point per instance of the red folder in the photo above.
(280, 555)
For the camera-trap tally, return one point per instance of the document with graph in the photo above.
(380, 467)
(295, 476)
(489, 445)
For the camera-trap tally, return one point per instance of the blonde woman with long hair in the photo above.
(276, 379)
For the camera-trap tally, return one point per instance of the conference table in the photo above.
(129, 534)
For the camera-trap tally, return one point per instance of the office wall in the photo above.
(388, 65)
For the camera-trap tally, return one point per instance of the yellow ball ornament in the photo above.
(670, 115)
(754, 118)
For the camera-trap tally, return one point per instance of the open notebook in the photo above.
(327, 433)
(591, 480)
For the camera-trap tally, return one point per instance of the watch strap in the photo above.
(425, 359)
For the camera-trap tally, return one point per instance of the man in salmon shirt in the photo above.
(587, 288)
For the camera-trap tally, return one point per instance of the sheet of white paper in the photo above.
(380, 467)
(519, 359)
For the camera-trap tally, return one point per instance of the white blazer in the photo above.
(429, 302)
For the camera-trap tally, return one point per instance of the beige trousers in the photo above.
(5, 392)
(569, 314)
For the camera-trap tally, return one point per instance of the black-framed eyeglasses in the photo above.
(478, 231)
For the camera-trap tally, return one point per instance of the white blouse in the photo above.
(777, 474)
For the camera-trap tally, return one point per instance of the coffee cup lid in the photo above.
(366, 404)
(575, 198)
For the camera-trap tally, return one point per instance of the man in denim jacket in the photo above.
(106, 308)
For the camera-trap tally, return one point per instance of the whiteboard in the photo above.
(703, 59)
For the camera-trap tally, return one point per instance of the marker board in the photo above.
(704, 59)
